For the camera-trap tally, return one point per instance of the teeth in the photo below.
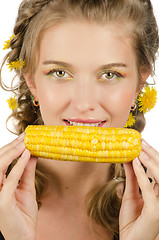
(84, 124)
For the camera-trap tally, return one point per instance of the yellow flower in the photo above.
(16, 65)
(12, 103)
(6, 45)
(147, 99)
(130, 122)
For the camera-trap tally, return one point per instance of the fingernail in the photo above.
(145, 143)
(21, 137)
(25, 153)
(138, 162)
(144, 155)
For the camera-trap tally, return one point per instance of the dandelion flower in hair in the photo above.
(12, 103)
(147, 99)
(6, 45)
(131, 120)
(18, 64)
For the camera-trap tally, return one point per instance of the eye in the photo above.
(59, 74)
(109, 75)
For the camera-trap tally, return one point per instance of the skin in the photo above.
(82, 95)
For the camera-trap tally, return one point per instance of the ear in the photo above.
(31, 84)
(144, 74)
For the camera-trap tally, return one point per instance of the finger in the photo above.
(14, 176)
(1, 180)
(10, 152)
(145, 185)
(150, 158)
(149, 149)
(27, 180)
(132, 187)
(150, 152)
(7, 147)
(156, 189)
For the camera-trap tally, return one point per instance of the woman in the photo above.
(80, 62)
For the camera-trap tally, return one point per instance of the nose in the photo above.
(84, 97)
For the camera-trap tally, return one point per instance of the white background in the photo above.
(8, 13)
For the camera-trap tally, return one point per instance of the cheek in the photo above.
(120, 100)
(52, 101)
(118, 105)
(126, 99)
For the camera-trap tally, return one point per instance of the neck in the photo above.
(74, 178)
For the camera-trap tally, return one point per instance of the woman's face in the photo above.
(86, 74)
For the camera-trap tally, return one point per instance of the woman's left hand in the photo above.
(139, 215)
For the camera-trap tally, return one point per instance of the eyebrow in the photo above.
(51, 62)
(65, 64)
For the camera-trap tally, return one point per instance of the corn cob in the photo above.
(82, 143)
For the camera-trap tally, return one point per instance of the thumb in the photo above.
(27, 181)
(132, 187)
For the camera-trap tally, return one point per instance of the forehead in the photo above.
(90, 42)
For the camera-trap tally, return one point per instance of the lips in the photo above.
(84, 122)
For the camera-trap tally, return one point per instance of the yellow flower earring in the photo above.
(146, 101)
(131, 119)
(6, 45)
(13, 103)
(18, 64)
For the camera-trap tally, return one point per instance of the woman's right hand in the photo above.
(18, 206)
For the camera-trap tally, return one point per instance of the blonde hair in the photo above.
(34, 17)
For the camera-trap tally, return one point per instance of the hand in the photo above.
(139, 216)
(18, 207)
